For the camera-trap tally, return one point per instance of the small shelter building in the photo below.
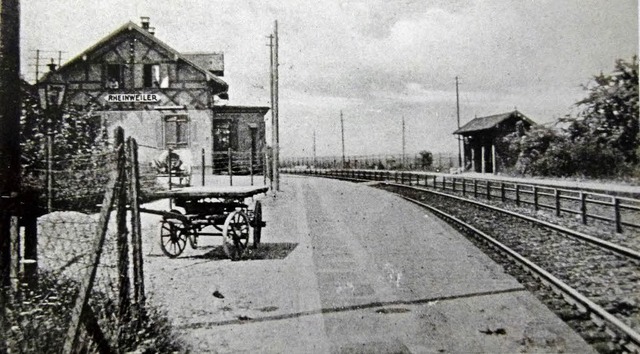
(483, 138)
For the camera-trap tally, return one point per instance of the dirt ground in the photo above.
(346, 268)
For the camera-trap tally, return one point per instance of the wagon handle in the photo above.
(166, 214)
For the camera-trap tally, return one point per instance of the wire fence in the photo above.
(187, 169)
(416, 162)
(78, 274)
(74, 183)
(238, 162)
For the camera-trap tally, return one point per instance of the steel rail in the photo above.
(621, 250)
(632, 337)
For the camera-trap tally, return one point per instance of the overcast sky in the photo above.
(376, 60)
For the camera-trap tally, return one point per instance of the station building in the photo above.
(161, 97)
(484, 149)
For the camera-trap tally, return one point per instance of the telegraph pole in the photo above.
(314, 148)
(458, 115)
(342, 130)
(403, 143)
(271, 100)
(276, 142)
(37, 65)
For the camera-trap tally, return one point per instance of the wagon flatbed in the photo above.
(213, 192)
(221, 208)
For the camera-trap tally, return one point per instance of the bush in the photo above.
(601, 142)
(426, 159)
(81, 155)
(39, 319)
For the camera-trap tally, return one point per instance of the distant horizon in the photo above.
(347, 156)
(377, 61)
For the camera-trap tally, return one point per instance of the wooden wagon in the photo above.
(211, 211)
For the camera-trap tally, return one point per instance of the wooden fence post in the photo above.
(517, 194)
(535, 198)
(475, 188)
(488, 190)
(124, 302)
(250, 165)
(502, 192)
(169, 163)
(136, 232)
(453, 184)
(616, 213)
(583, 207)
(203, 167)
(464, 187)
(230, 169)
(556, 196)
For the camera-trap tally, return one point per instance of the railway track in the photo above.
(599, 280)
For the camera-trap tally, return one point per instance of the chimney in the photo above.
(152, 31)
(144, 21)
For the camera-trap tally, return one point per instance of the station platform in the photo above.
(347, 268)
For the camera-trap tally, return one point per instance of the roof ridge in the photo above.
(130, 25)
(487, 122)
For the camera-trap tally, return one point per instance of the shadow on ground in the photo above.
(265, 251)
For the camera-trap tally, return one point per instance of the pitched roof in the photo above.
(210, 61)
(489, 122)
(132, 26)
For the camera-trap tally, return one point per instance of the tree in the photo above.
(74, 132)
(426, 159)
(601, 141)
(539, 152)
(609, 116)
(79, 147)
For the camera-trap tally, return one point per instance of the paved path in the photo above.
(350, 269)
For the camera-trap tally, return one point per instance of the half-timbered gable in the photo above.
(132, 61)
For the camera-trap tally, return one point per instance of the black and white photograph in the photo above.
(333, 176)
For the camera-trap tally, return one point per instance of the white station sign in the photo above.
(132, 97)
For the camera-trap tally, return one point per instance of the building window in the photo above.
(115, 76)
(176, 131)
(151, 75)
(221, 135)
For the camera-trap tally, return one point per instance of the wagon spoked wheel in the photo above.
(172, 238)
(257, 224)
(235, 234)
(191, 236)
